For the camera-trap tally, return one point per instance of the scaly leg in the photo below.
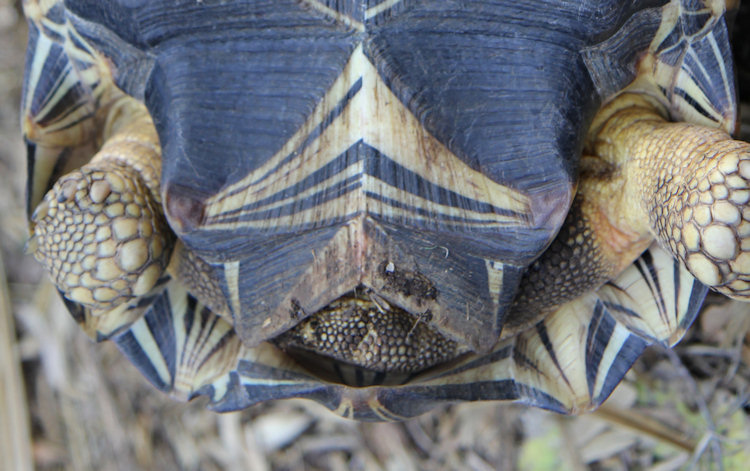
(690, 185)
(100, 231)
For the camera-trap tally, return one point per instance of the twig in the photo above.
(645, 425)
(711, 435)
(15, 440)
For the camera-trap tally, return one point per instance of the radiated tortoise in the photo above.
(385, 205)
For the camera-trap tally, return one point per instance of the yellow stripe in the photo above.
(375, 116)
(381, 7)
(348, 21)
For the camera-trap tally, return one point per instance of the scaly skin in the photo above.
(691, 184)
(645, 178)
(101, 231)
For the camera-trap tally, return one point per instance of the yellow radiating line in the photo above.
(330, 100)
(151, 348)
(87, 54)
(619, 335)
(43, 46)
(232, 275)
(724, 75)
(385, 189)
(316, 214)
(363, 118)
(494, 279)
(346, 205)
(381, 7)
(350, 171)
(348, 21)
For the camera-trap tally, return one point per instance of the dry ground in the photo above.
(66, 403)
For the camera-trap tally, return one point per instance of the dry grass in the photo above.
(85, 407)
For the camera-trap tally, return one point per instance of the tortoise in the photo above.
(387, 205)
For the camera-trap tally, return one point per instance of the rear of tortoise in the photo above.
(385, 206)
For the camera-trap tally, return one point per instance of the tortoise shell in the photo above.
(425, 152)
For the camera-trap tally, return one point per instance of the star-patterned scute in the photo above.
(308, 143)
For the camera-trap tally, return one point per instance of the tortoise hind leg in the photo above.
(100, 231)
(690, 183)
(686, 185)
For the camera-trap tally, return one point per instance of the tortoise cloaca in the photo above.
(385, 206)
